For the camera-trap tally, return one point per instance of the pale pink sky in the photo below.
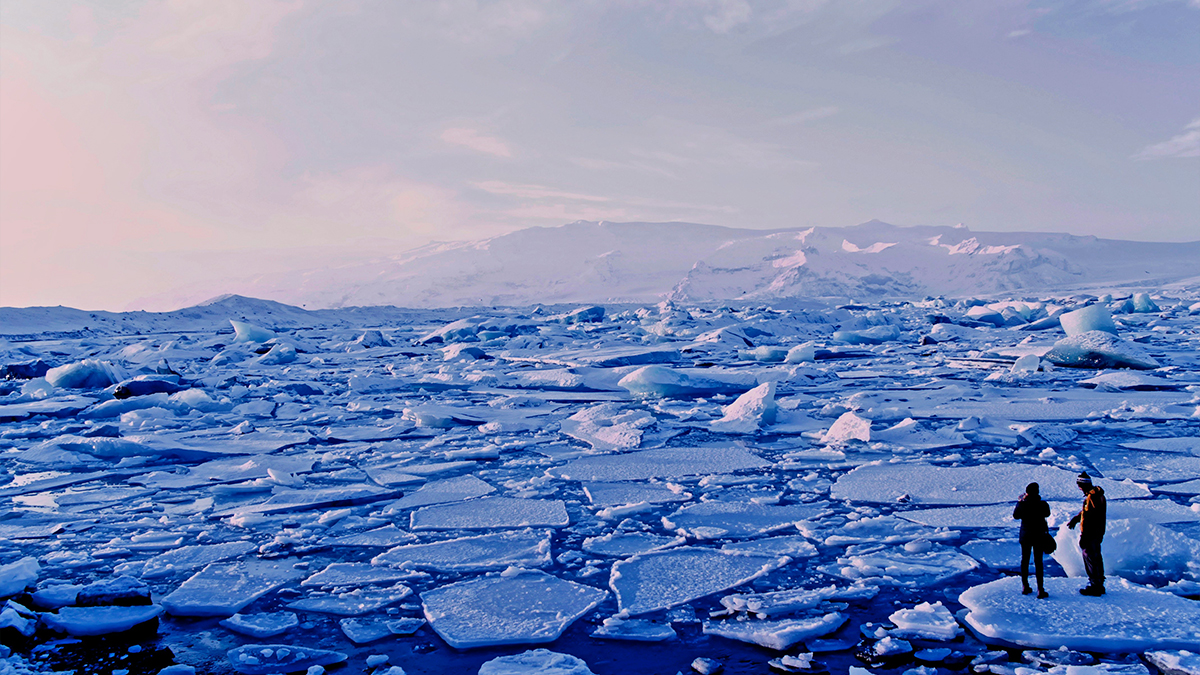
(155, 144)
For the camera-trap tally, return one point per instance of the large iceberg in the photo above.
(1098, 349)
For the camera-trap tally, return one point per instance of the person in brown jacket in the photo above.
(1091, 520)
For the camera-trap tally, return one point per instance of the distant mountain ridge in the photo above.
(605, 262)
(650, 262)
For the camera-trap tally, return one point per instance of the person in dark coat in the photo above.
(1091, 520)
(1032, 511)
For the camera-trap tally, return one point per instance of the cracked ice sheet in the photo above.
(353, 574)
(441, 492)
(624, 544)
(1129, 618)
(224, 589)
(984, 484)
(616, 494)
(658, 463)
(1000, 515)
(719, 519)
(1061, 407)
(473, 554)
(1149, 467)
(522, 607)
(1182, 444)
(664, 579)
(491, 512)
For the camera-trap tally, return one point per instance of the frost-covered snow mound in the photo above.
(1128, 618)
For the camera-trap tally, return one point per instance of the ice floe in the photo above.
(1129, 618)
(521, 607)
(664, 579)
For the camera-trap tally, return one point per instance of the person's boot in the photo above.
(1025, 589)
(1094, 591)
(1042, 594)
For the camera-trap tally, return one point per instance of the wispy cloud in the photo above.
(1186, 144)
(497, 187)
(805, 116)
(479, 142)
(727, 15)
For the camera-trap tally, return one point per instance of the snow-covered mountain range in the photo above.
(649, 262)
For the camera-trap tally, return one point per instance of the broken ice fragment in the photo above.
(490, 512)
(868, 336)
(779, 634)
(261, 626)
(470, 554)
(15, 576)
(663, 382)
(1098, 349)
(925, 621)
(664, 579)
(83, 621)
(536, 662)
(848, 427)
(525, 607)
(720, 519)
(248, 332)
(352, 603)
(352, 574)
(223, 589)
(750, 412)
(659, 463)
(187, 558)
(363, 631)
(1090, 318)
(634, 630)
(984, 484)
(266, 659)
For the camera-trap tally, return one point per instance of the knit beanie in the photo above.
(1084, 480)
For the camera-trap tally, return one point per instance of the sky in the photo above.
(149, 145)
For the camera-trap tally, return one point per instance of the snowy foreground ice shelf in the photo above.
(247, 487)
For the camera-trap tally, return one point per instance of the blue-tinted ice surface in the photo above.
(704, 481)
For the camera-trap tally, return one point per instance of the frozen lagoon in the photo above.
(407, 466)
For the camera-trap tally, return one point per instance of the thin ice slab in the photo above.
(259, 626)
(1129, 618)
(659, 463)
(525, 607)
(664, 579)
(388, 535)
(223, 589)
(492, 512)
(442, 492)
(473, 554)
(264, 659)
(353, 574)
(616, 494)
(779, 634)
(352, 603)
(986, 484)
(718, 519)
(84, 621)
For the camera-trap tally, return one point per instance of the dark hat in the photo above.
(1083, 480)
(1033, 488)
